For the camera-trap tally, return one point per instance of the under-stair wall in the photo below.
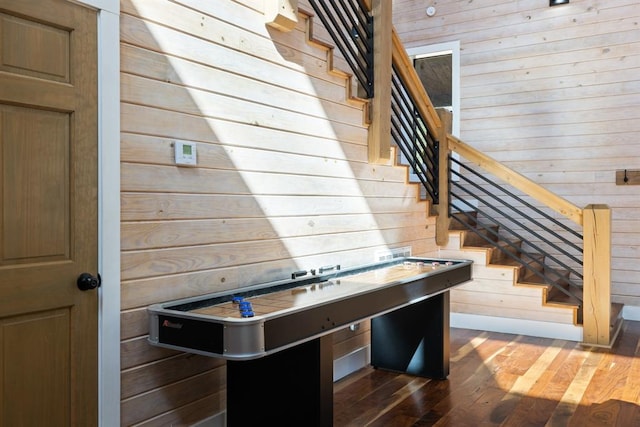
(282, 183)
(495, 301)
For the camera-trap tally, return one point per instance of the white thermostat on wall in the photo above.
(186, 153)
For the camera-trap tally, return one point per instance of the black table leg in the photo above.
(293, 387)
(413, 339)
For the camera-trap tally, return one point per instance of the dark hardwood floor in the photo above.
(504, 380)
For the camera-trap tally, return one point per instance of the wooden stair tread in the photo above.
(508, 263)
(477, 246)
(555, 296)
(532, 269)
(559, 277)
(473, 239)
(533, 280)
(505, 250)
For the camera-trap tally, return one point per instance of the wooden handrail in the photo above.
(520, 182)
(406, 72)
(379, 143)
(594, 219)
(409, 76)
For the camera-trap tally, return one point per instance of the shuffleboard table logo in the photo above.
(173, 325)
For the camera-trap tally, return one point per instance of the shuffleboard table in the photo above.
(276, 336)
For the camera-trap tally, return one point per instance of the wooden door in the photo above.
(48, 213)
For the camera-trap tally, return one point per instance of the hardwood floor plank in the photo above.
(503, 380)
(395, 411)
(417, 405)
(517, 397)
(610, 377)
(539, 402)
(469, 347)
(531, 376)
(632, 387)
(372, 398)
(465, 402)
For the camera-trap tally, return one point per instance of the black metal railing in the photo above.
(409, 131)
(544, 245)
(351, 28)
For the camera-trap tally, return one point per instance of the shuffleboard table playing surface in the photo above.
(260, 320)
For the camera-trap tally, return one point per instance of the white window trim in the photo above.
(445, 48)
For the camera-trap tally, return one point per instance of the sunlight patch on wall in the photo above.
(277, 134)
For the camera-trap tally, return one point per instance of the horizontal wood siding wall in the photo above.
(554, 93)
(282, 182)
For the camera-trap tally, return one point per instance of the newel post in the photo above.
(380, 126)
(597, 275)
(443, 220)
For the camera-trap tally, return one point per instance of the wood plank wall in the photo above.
(554, 93)
(282, 182)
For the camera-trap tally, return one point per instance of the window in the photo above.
(438, 67)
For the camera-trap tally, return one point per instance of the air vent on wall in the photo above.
(390, 254)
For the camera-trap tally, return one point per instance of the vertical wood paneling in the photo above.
(282, 181)
(553, 93)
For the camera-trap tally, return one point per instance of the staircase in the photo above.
(521, 285)
(506, 296)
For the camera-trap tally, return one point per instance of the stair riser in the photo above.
(473, 239)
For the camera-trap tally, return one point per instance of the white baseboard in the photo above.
(517, 326)
(218, 420)
(350, 363)
(631, 312)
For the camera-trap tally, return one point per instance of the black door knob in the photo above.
(88, 281)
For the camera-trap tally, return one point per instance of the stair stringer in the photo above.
(494, 300)
(308, 18)
(306, 25)
(350, 85)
